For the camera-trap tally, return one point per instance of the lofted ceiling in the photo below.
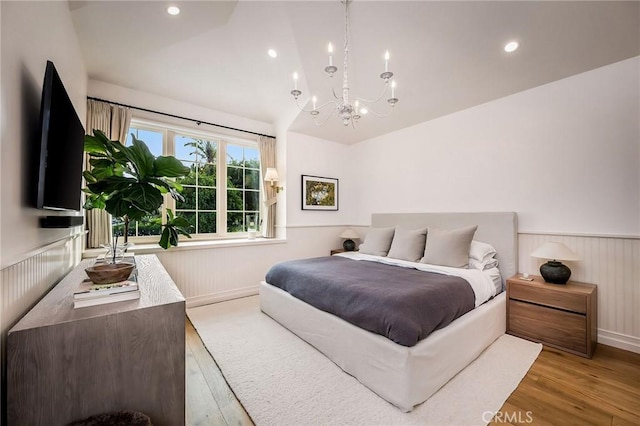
(446, 55)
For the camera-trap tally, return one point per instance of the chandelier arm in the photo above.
(315, 120)
(335, 104)
(370, 101)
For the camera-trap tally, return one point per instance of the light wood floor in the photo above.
(559, 389)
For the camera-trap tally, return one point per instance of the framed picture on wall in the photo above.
(319, 193)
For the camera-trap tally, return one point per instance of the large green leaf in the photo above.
(169, 167)
(142, 159)
(144, 196)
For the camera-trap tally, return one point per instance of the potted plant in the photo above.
(129, 182)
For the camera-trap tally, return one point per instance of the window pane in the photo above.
(207, 175)
(234, 222)
(189, 179)
(184, 148)
(189, 203)
(190, 217)
(234, 175)
(252, 219)
(206, 199)
(251, 179)
(150, 226)
(252, 200)
(234, 155)
(251, 158)
(234, 200)
(206, 223)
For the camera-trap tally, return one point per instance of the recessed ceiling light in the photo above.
(511, 46)
(173, 10)
(272, 53)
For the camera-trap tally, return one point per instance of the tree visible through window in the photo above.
(210, 208)
(199, 187)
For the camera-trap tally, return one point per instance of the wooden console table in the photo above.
(66, 364)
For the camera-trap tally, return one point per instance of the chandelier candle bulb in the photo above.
(330, 48)
(314, 100)
(386, 61)
(295, 81)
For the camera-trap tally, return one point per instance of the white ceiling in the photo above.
(446, 56)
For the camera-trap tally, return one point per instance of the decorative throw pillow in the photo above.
(408, 244)
(449, 248)
(377, 241)
(481, 251)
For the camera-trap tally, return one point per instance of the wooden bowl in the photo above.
(108, 273)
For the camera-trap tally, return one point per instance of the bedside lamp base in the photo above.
(555, 272)
(349, 245)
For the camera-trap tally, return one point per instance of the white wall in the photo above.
(565, 156)
(307, 155)
(32, 33)
(32, 259)
(155, 102)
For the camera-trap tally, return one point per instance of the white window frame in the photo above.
(169, 132)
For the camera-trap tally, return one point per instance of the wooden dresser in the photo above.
(561, 316)
(66, 364)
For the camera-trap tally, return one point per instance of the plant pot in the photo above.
(108, 273)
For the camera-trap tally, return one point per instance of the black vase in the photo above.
(349, 245)
(555, 272)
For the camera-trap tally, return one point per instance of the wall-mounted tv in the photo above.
(61, 147)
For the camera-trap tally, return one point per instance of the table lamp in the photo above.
(350, 235)
(554, 271)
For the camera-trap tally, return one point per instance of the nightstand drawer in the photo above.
(547, 297)
(547, 325)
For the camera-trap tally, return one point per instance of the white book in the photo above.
(120, 297)
(88, 290)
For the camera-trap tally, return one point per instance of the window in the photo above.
(222, 192)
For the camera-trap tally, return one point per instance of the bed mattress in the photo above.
(404, 376)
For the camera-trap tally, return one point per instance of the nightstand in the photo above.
(336, 251)
(561, 316)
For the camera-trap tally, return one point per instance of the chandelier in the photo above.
(348, 113)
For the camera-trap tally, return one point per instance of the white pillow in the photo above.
(488, 263)
(449, 248)
(481, 251)
(377, 241)
(408, 244)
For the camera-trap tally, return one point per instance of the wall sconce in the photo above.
(272, 177)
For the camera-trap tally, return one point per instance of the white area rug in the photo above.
(281, 380)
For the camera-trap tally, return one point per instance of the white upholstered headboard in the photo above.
(500, 229)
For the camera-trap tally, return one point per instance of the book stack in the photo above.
(91, 294)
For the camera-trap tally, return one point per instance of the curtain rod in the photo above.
(198, 122)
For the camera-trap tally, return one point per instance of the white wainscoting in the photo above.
(216, 274)
(24, 283)
(613, 264)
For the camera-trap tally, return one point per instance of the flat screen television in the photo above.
(61, 147)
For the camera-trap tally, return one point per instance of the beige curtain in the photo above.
(114, 121)
(267, 147)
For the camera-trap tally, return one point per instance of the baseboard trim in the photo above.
(222, 296)
(619, 340)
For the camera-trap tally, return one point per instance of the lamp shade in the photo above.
(350, 234)
(554, 251)
(271, 175)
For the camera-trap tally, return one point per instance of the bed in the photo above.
(407, 375)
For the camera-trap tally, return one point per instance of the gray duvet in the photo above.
(402, 304)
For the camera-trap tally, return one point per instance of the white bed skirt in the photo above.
(404, 376)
